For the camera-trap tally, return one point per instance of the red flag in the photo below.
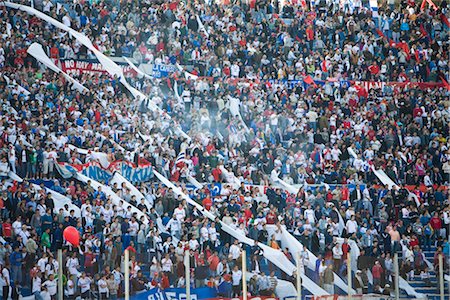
(404, 47)
(416, 54)
(422, 6)
(434, 6)
(425, 33)
(308, 80)
(430, 2)
(324, 66)
(447, 85)
(380, 33)
(445, 20)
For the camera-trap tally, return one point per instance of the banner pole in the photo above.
(60, 276)
(244, 275)
(349, 276)
(127, 274)
(441, 276)
(299, 278)
(187, 274)
(397, 291)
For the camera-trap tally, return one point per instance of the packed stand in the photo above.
(297, 132)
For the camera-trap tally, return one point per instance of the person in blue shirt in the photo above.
(224, 289)
(16, 260)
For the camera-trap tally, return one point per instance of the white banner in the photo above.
(113, 196)
(60, 201)
(275, 256)
(37, 52)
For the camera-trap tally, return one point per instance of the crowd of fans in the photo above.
(259, 53)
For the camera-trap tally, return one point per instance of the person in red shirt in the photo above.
(377, 273)
(414, 241)
(271, 217)
(89, 260)
(345, 194)
(345, 248)
(217, 174)
(7, 230)
(310, 36)
(213, 262)
(165, 284)
(436, 224)
(207, 203)
(374, 69)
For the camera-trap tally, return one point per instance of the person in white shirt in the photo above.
(309, 214)
(235, 250)
(73, 264)
(351, 225)
(166, 264)
(36, 286)
(17, 225)
(180, 212)
(103, 287)
(6, 281)
(335, 153)
(42, 262)
(134, 228)
(193, 244)
(337, 255)
(213, 234)
(236, 277)
(204, 234)
(174, 225)
(69, 292)
(51, 268)
(85, 286)
(45, 295)
(51, 285)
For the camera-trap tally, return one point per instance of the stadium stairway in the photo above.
(430, 290)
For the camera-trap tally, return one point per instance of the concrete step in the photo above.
(420, 284)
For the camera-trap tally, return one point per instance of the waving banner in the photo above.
(91, 66)
(133, 173)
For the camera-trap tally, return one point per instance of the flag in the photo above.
(308, 80)
(422, 6)
(425, 33)
(416, 54)
(447, 85)
(324, 66)
(216, 189)
(430, 2)
(64, 171)
(404, 46)
(179, 161)
(445, 20)
(232, 128)
(380, 33)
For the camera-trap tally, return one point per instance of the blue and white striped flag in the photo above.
(374, 7)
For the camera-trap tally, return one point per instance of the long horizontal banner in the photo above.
(144, 173)
(161, 70)
(91, 66)
(367, 85)
(136, 174)
(176, 294)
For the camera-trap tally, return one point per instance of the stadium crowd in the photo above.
(284, 62)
